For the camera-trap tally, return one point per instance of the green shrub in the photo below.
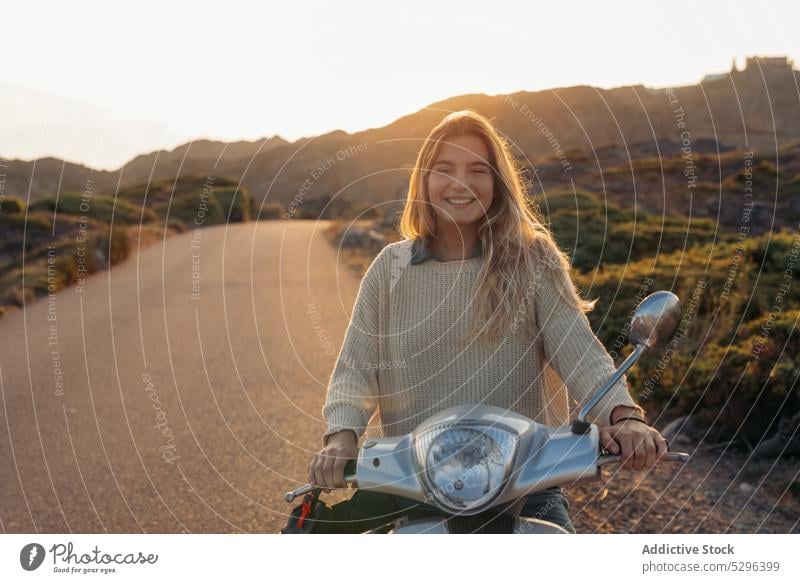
(735, 365)
(235, 204)
(566, 200)
(10, 204)
(100, 208)
(745, 387)
(194, 201)
(270, 211)
(16, 223)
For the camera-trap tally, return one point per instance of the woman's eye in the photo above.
(480, 170)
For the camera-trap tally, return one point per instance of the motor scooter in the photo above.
(475, 464)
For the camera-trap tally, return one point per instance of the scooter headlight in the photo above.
(465, 465)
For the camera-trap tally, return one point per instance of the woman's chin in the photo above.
(460, 220)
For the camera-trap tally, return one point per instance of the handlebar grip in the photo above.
(672, 456)
(349, 478)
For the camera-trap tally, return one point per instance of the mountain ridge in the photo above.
(756, 109)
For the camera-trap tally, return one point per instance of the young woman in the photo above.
(474, 305)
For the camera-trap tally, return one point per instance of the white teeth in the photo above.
(459, 200)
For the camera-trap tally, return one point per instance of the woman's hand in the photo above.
(327, 466)
(640, 445)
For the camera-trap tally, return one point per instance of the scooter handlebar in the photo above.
(349, 478)
(350, 471)
(672, 456)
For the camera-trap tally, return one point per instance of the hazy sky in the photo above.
(100, 82)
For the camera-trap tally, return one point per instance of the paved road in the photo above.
(180, 391)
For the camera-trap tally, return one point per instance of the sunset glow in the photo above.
(100, 83)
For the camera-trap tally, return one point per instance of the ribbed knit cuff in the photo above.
(343, 416)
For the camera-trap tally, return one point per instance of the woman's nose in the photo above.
(459, 181)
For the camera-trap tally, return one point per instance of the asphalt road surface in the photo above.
(179, 391)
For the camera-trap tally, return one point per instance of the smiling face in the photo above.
(461, 184)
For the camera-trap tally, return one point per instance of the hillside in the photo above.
(58, 240)
(566, 134)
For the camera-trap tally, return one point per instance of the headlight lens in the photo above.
(465, 465)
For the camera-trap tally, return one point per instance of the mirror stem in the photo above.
(580, 425)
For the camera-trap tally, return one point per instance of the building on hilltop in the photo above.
(771, 62)
(753, 65)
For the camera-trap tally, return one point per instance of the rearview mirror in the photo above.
(655, 320)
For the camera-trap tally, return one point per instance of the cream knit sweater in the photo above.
(406, 354)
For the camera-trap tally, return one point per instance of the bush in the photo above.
(16, 223)
(566, 200)
(235, 204)
(195, 201)
(270, 211)
(735, 364)
(118, 246)
(745, 387)
(597, 234)
(56, 229)
(100, 208)
(10, 205)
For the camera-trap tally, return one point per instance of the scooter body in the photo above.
(477, 463)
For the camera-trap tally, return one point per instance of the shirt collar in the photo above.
(422, 251)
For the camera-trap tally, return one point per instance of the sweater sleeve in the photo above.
(573, 349)
(353, 389)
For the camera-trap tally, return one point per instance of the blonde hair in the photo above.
(516, 243)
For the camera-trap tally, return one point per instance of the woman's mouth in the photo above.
(460, 201)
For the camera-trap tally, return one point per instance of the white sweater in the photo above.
(406, 354)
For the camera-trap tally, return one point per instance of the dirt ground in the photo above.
(713, 493)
